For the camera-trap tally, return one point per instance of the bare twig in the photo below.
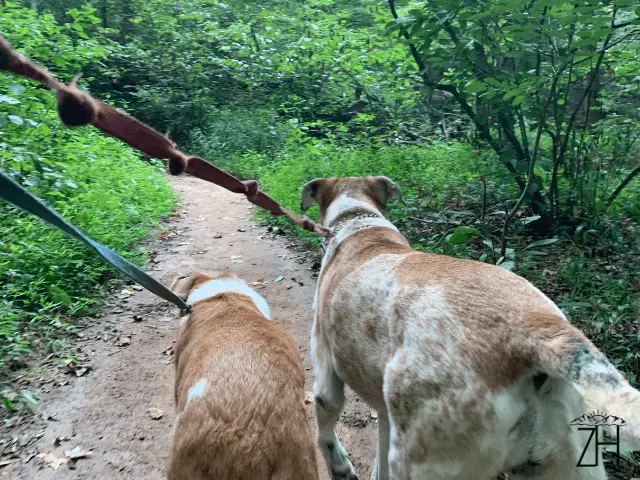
(436, 222)
(625, 24)
(634, 173)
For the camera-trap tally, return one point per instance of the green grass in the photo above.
(109, 193)
(447, 174)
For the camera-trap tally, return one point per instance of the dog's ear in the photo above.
(309, 192)
(183, 285)
(387, 189)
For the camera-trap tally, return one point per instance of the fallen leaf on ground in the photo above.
(259, 283)
(279, 278)
(76, 453)
(58, 440)
(236, 259)
(373, 415)
(155, 413)
(137, 287)
(50, 460)
(163, 235)
(124, 341)
(4, 463)
(308, 397)
(80, 371)
(168, 351)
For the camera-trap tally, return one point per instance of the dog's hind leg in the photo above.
(381, 463)
(328, 390)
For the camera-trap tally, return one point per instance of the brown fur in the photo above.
(251, 422)
(453, 352)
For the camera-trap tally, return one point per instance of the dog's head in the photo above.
(371, 193)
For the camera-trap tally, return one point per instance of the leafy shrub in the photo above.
(444, 172)
(111, 195)
(95, 182)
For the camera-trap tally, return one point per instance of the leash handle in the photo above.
(14, 193)
(76, 108)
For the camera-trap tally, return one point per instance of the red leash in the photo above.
(76, 108)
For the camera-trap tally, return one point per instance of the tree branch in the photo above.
(585, 93)
(622, 186)
(626, 24)
(483, 129)
(536, 148)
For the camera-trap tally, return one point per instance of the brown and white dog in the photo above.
(473, 371)
(239, 389)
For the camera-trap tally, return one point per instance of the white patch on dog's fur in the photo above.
(343, 203)
(197, 390)
(339, 206)
(222, 285)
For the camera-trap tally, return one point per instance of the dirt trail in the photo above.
(106, 409)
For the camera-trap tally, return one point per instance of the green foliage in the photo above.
(539, 81)
(93, 181)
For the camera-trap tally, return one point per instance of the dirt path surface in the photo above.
(106, 409)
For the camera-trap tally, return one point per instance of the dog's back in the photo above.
(239, 397)
(475, 363)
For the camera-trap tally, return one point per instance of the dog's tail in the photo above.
(561, 350)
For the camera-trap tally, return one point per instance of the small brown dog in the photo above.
(239, 389)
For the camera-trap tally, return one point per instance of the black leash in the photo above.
(13, 193)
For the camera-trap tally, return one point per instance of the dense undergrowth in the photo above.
(95, 182)
(111, 195)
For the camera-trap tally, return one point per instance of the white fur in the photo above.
(343, 203)
(222, 285)
(197, 390)
(339, 206)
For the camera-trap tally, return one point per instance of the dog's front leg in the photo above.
(380, 469)
(328, 390)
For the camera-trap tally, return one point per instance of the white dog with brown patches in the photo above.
(473, 371)
(239, 389)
